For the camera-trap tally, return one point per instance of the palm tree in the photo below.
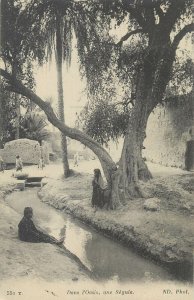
(51, 24)
(33, 127)
(59, 15)
(46, 24)
(48, 27)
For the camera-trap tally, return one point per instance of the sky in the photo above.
(74, 86)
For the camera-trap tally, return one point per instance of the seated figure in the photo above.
(28, 232)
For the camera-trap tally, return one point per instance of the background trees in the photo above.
(105, 115)
(144, 67)
(52, 24)
(48, 23)
(16, 60)
(159, 27)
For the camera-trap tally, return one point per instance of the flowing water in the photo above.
(106, 258)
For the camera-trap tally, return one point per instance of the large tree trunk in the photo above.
(122, 182)
(59, 64)
(131, 163)
(159, 56)
(132, 167)
(152, 82)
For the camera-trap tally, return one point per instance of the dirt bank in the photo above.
(165, 235)
(28, 261)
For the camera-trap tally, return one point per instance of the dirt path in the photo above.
(31, 268)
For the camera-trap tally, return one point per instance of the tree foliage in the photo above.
(142, 71)
(16, 60)
(34, 127)
(8, 115)
(127, 58)
(105, 121)
(13, 42)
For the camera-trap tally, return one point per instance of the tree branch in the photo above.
(176, 8)
(73, 133)
(159, 12)
(126, 36)
(149, 18)
(181, 34)
(135, 13)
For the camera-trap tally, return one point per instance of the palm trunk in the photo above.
(17, 121)
(17, 104)
(1, 124)
(59, 64)
(123, 182)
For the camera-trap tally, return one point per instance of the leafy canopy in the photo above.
(115, 63)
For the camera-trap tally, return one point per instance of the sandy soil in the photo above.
(20, 260)
(166, 235)
(31, 260)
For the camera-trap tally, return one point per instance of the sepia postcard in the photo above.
(96, 150)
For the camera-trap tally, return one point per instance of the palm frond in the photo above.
(34, 125)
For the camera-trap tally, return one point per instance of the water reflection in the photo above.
(75, 240)
(110, 260)
(106, 258)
